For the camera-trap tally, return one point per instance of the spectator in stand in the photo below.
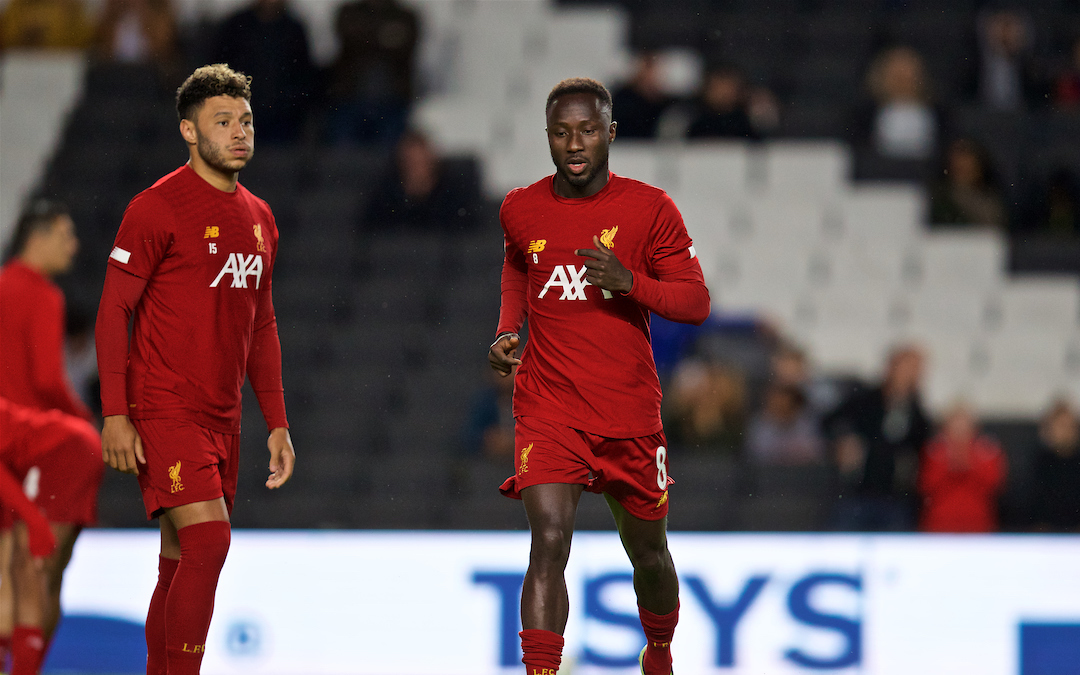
(1056, 497)
(424, 191)
(723, 107)
(961, 477)
(785, 432)
(789, 367)
(877, 435)
(45, 24)
(370, 85)
(489, 430)
(965, 194)
(706, 406)
(266, 42)
(139, 31)
(1005, 75)
(902, 122)
(1067, 83)
(639, 104)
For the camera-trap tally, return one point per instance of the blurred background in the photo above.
(884, 195)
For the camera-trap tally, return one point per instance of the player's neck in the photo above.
(36, 262)
(567, 190)
(221, 180)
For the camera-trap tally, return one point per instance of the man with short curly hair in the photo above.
(193, 262)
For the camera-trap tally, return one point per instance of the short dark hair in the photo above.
(207, 82)
(39, 215)
(579, 85)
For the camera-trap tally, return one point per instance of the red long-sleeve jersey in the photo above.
(32, 319)
(588, 362)
(194, 266)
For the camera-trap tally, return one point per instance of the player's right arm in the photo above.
(502, 355)
(141, 243)
(121, 447)
(12, 496)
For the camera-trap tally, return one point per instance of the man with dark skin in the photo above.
(586, 401)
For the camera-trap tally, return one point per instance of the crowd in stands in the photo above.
(894, 467)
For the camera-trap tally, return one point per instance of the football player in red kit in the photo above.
(192, 262)
(33, 374)
(588, 256)
(29, 439)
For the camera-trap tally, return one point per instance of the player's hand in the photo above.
(282, 457)
(502, 354)
(604, 269)
(121, 447)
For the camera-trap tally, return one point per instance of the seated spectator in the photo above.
(706, 405)
(1067, 83)
(45, 24)
(877, 435)
(785, 432)
(370, 85)
(789, 367)
(489, 430)
(1055, 503)
(722, 107)
(966, 195)
(961, 477)
(266, 42)
(902, 122)
(424, 191)
(1005, 75)
(138, 31)
(639, 104)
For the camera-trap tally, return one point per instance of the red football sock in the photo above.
(190, 604)
(27, 650)
(543, 651)
(156, 663)
(659, 629)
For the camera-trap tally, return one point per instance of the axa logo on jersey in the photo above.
(571, 279)
(241, 267)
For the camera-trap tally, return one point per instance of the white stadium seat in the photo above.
(806, 169)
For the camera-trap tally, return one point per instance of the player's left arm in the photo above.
(264, 373)
(675, 289)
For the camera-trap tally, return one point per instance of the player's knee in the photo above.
(650, 558)
(551, 543)
(205, 544)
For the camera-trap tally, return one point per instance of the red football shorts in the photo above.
(60, 466)
(634, 471)
(186, 463)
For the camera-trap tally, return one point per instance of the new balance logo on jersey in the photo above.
(571, 279)
(241, 267)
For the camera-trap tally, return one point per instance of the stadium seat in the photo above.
(1049, 304)
(800, 169)
(719, 169)
(965, 259)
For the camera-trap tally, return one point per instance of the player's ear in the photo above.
(187, 130)
(611, 131)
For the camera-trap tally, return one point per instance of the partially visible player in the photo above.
(192, 262)
(30, 439)
(32, 373)
(588, 256)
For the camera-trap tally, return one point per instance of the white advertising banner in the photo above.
(444, 603)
